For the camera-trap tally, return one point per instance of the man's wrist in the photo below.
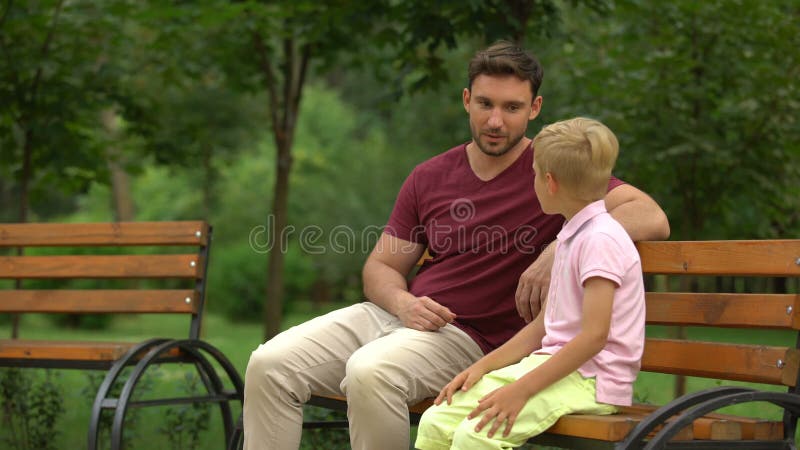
(399, 298)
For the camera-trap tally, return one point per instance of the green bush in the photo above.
(237, 279)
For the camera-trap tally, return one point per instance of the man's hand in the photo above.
(501, 405)
(534, 283)
(424, 314)
(462, 381)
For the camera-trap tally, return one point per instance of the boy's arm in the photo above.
(522, 344)
(505, 403)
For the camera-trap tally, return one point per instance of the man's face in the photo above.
(499, 109)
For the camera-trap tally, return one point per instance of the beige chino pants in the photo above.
(361, 352)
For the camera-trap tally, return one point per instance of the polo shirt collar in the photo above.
(586, 214)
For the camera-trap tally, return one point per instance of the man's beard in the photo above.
(497, 151)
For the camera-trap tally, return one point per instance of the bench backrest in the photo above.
(682, 304)
(174, 251)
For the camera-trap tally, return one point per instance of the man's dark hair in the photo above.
(505, 58)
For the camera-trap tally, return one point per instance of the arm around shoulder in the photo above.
(638, 213)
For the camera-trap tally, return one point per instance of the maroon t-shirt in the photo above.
(481, 234)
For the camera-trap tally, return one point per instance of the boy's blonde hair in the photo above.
(580, 154)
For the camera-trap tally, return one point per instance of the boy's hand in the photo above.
(462, 381)
(501, 405)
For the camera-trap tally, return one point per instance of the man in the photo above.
(475, 210)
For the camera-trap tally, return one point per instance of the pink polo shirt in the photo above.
(593, 244)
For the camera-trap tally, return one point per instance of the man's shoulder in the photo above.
(445, 160)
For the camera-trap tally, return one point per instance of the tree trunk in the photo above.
(284, 97)
(121, 198)
(273, 306)
(522, 12)
(208, 185)
(24, 183)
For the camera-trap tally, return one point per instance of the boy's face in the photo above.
(540, 182)
(499, 109)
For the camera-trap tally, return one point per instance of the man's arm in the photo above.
(636, 211)
(385, 285)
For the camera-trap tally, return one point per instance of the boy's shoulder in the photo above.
(605, 227)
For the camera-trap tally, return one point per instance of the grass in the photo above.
(236, 341)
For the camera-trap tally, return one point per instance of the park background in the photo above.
(301, 118)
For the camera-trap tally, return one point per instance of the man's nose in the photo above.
(495, 118)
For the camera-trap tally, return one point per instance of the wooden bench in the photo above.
(167, 276)
(690, 421)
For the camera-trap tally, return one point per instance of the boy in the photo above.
(582, 353)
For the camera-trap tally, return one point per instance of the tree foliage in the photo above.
(54, 78)
(314, 111)
(704, 96)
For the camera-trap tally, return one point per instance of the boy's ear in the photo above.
(552, 183)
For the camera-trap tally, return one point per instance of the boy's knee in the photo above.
(465, 435)
(432, 427)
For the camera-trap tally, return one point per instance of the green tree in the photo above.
(54, 80)
(274, 45)
(703, 96)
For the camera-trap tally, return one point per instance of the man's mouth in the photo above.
(494, 137)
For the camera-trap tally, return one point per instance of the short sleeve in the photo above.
(405, 222)
(614, 182)
(602, 256)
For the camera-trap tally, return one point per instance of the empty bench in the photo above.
(690, 421)
(163, 268)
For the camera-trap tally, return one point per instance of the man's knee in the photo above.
(266, 365)
(368, 376)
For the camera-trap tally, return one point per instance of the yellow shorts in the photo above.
(446, 426)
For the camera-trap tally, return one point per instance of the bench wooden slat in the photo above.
(756, 428)
(612, 427)
(99, 301)
(723, 310)
(738, 362)
(120, 233)
(764, 258)
(26, 349)
(101, 266)
(616, 427)
(719, 426)
(62, 350)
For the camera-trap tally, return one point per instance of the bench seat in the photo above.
(680, 295)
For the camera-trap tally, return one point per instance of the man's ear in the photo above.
(536, 107)
(465, 98)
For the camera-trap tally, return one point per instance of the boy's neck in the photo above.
(570, 207)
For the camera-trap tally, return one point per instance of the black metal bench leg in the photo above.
(236, 441)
